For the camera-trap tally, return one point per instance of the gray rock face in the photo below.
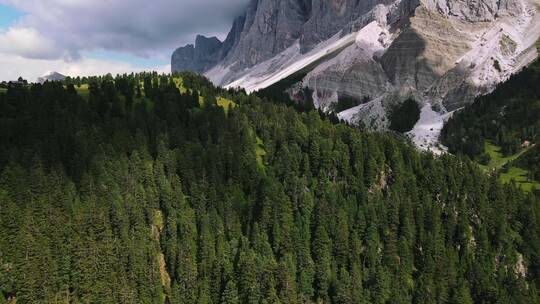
(330, 16)
(199, 57)
(270, 27)
(183, 59)
(442, 53)
(233, 37)
(423, 52)
(438, 51)
(473, 10)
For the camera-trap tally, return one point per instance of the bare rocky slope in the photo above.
(442, 53)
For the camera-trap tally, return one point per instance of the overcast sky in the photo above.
(86, 37)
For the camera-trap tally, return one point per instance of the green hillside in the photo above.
(499, 129)
(509, 168)
(148, 196)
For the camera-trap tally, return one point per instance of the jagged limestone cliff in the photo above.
(441, 52)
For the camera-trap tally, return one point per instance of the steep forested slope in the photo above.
(138, 193)
(508, 118)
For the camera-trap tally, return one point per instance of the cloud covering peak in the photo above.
(65, 28)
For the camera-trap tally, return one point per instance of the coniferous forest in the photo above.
(509, 118)
(152, 189)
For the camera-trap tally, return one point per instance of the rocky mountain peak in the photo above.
(199, 57)
(51, 76)
(442, 53)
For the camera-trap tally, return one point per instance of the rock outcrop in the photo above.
(441, 52)
(199, 57)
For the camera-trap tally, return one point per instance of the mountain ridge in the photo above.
(442, 53)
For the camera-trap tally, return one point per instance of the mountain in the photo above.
(442, 53)
(52, 76)
(199, 57)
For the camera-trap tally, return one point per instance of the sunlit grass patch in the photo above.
(519, 175)
(180, 84)
(498, 161)
(497, 158)
(225, 103)
(83, 90)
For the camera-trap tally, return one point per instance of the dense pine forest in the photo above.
(156, 189)
(508, 118)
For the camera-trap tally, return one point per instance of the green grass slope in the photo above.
(506, 168)
(502, 128)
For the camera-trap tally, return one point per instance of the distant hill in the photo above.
(52, 76)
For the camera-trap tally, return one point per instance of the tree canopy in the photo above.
(145, 190)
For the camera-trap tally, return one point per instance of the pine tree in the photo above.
(230, 294)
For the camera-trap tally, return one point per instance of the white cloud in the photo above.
(140, 27)
(14, 66)
(57, 35)
(29, 43)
